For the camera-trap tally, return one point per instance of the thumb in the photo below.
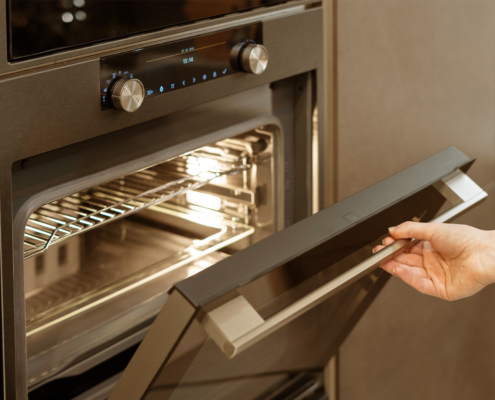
(414, 230)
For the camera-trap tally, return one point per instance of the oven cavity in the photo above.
(135, 236)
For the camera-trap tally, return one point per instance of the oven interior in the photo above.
(110, 253)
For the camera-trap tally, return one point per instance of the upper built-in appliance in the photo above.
(39, 27)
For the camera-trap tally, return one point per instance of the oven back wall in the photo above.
(414, 78)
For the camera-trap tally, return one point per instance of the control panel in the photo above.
(127, 79)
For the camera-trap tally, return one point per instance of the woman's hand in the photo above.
(452, 261)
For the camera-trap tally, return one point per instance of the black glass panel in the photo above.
(173, 66)
(42, 26)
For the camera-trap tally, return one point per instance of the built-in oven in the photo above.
(161, 182)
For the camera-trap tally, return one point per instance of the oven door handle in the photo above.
(236, 325)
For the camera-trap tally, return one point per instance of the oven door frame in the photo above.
(63, 190)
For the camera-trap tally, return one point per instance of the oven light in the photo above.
(204, 200)
(201, 166)
(207, 162)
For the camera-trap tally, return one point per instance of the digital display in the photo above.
(174, 66)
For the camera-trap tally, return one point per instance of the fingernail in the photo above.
(373, 250)
(392, 228)
(395, 273)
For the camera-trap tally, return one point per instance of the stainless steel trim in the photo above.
(254, 59)
(227, 334)
(315, 162)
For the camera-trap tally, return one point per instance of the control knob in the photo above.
(127, 94)
(251, 58)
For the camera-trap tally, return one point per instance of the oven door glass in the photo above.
(251, 325)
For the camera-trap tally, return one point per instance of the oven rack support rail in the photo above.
(82, 211)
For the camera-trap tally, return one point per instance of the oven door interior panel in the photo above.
(284, 304)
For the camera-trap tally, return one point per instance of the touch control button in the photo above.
(128, 94)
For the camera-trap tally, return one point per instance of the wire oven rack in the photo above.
(63, 218)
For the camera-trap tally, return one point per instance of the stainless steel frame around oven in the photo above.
(57, 140)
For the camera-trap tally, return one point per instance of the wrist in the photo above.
(487, 257)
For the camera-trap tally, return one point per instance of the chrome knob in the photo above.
(127, 94)
(251, 58)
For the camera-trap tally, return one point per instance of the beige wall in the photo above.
(414, 77)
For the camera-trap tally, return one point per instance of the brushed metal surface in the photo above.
(254, 59)
(128, 94)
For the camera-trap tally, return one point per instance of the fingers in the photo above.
(416, 249)
(409, 259)
(414, 230)
(392, 265)
(385, 242)
(388, 241)
(377, 248)
(421, 284)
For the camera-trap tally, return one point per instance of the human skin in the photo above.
(451, 262)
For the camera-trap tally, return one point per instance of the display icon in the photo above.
(161, 89)
(183, 83)
(224, 71)
(194, 80)
(172, 85)
(204, 77)
(214, 74)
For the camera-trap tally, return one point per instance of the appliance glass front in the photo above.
(178, 65)
(119, 246)
(38, 27)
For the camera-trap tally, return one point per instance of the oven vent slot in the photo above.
(72, 215)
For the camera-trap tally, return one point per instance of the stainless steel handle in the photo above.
(236, 325)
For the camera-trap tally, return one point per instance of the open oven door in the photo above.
(243, 328)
